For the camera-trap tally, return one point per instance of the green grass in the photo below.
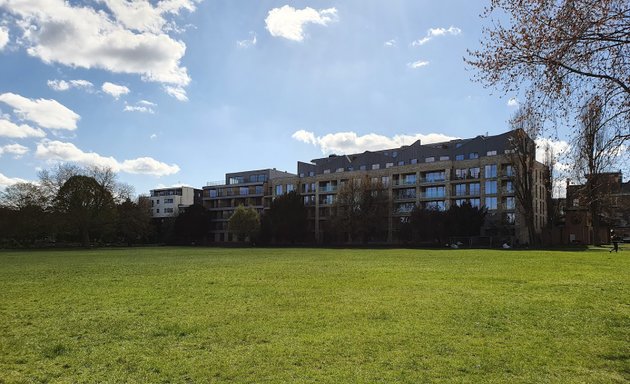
(314, 315)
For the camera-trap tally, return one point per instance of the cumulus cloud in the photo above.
(512, 102)
(8, 181)
(114, 90)
(62, 85)
(125, 37)
(349, 142)
(246, 43)
(46, 113)
(22, 131)
(288, 22)
(436, 32)
(68, 152)
(14, 149)
(4, 37)
(417, 64)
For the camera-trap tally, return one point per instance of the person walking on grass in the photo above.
(615, 241)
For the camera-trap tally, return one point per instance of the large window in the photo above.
(474, 188)
(474, 172)
(243, 191)
(460, 189)
(490, 171)
(434, 176)
(408, 193)
(434, 192)
(439, 205)
(459, 157)
(278, 190)
(290, 187)
(491, 187)
(409, 179)
(475, 203)
(461, 173)
(473, 155)
(509, 203)
(509, 170)
(491, 203)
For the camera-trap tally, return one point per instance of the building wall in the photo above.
(168, 202)
(485, 180)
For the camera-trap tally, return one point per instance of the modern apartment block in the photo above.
(168, 202)
(478, 170)
(249, 188)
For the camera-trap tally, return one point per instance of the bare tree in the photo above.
(526, 126)
(595, 151)
(562, 50)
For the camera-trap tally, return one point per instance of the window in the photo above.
(414, 161)
(509, 170)
(434, 192)
(434, 176)
(401, 163)
(490, 171)
(429, 159)
(389, 165)
(278, 190)
(405, 207)
(408, 193)
(301, 174)
(259, 190)
(326, 171)
(236, 180)
(311, 173)
(491, 153)
(157, 201)
(491, 203)
(243, 191)
(474, 172)
(340, 169)
(509, 188)
(363, 167)
(385, 181)
(475, 203)
(168, 210)
(439, 205)
(157, 210)
(509, 203)
(290, 187)
(473, 155)
(444, 158)
(168, 201)
(460, 202)
(376, 166)
(459, 157)
(491, 187)
(461, 173)
(460, 189)
(409, 179)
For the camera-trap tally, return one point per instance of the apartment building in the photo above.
(248, 188)
(169, 202)
(478, 170)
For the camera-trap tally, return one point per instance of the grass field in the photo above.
(314, 315)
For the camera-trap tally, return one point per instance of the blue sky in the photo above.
(183, 91)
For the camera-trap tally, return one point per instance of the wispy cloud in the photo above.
(350, 142)
(436, 32)
(62, 85)
(4, 37)
(246, 43)
(288, 22)
(142, 106)
(512, 102)
(16, 150)
(390, 43)
(417, 64)
(6, 181)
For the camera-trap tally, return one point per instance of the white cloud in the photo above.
(153, 136)
(177, 92)
(62, 85)
(131, 38)
(68, 152)
(288, 22)
(7, 181)
(390, 43)
(22, 131)
(4, 37)
(46, 113)
(435, 32)
(114, 90)
(142, 106)
(417, 64)
(15, 149)
(350, 142)
(512, 102)
(248, 42)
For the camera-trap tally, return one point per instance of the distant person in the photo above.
(615, 241)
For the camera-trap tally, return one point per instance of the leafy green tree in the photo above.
(465, 220)
(134, 220)
(287, 218)
(86, 208)
(244, 223)
(360, 210)
(191, 226)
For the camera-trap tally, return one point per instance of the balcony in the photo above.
(328, 189)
